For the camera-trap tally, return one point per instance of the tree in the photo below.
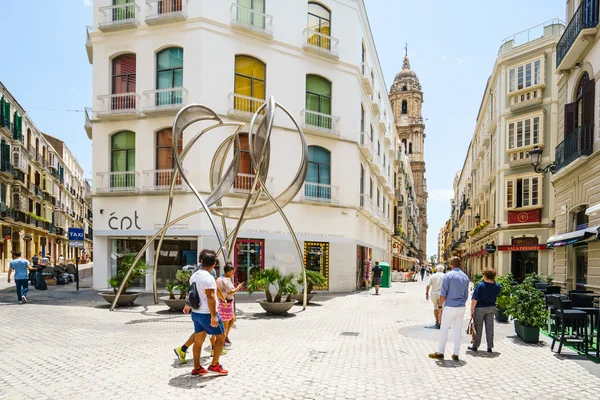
(433, 259)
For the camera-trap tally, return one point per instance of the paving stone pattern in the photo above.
(63, 345)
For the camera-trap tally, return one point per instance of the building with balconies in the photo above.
(318, 59)
(576, 149)
(33, 167)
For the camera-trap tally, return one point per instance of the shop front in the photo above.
(524, 256)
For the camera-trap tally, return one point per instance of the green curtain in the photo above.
(318, 99)
(246, 15)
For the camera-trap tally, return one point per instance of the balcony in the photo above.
(320, 193)
(366, 204)
(251, 21)
(118, 106)
(159, 180)
(243, 107)
(378, 168)
(389, 185)
(366, 146)
(387, 137)
(18, 176)
(40, 159)
(381, 125)
(366, 78)
(161, 102)
(89, 49)
(36, 190)
(88, 122)
(578, 35)
(578, 143)
(117, 182)
(166, 11)
(119, 17)
(376, 108)
(320, 124)
(20, 162)
(6, 124)
(320, 44)
(243, 183)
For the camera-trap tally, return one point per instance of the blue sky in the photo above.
(452, 47)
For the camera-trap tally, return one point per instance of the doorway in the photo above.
(523, 263)
(249, 257)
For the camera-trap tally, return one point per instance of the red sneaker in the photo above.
(199, 371)
(217, 369)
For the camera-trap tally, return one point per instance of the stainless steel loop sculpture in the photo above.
(222, 179)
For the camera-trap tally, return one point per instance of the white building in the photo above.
(318, 59)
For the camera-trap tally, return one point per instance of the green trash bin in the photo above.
(386, 277)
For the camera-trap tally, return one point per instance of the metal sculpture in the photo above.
(221, 181)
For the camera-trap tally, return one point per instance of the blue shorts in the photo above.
(202, 324)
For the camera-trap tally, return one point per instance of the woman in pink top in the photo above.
(226, 309)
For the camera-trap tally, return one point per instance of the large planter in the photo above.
(125, 299)
(527, 333)
(300, 297)
(501, 315)
(276, 308)
(174, 304)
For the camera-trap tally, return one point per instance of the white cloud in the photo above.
(441, 194)
(88, 3)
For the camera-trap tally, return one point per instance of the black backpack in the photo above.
(192, 298)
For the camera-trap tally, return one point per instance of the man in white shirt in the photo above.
(435, 283)
(206, 319)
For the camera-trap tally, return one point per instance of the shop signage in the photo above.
(76, 237)
(116, 222)
(524, 217)
(534, 247)
(490, 248)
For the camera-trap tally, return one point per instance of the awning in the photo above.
(570, 238)
(592, 210)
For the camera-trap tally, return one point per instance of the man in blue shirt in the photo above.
(20, 266)
(453, 298)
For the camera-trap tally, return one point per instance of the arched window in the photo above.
(404, 107)
(123, 82)
(404, 145)
(318, 102)
(169, 75)
(319, 22)
(165, 163)
(579, 115)
(245, 178)
(28, 136)
(251, 12)
(250, 82)
(404, 88)
(123, 159)
(410, 148)
(318, 177)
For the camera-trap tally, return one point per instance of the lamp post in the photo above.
(477, 219)
(536, 158)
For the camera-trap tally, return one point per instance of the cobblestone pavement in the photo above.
(67, 345)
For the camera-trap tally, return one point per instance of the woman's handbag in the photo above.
(471, 329)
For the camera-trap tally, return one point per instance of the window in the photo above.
(410, 148)
(319, 22)
(362, 118)
(169, 6)
(525, 76)
(169, 75)
(251, 12)
(250, 83)
(404, 107)
(362, 184)
(404, 146)
(523, 192)
(318, 177)
(165, 162)
(124, 12)
(524, 133)
(371, 187)
(378, 195)
(123, 159)
(316, 258)
(318, 101)
(124, 82)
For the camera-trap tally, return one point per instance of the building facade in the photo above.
(42, 190)
(406, 96)
(576, 151)
(501, 204)
(318, 59)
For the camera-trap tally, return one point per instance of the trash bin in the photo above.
(386, 277)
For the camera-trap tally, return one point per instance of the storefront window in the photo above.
(581, 264)
(120, 247)
(249, 257)
(174, 254)
(316, 258)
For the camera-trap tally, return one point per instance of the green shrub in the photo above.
(527, 305)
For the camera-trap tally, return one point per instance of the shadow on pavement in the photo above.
(256, 316)
(450, 363)
(483, 354)
(187, 381)
(519, 342)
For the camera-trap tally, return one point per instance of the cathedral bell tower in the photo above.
(406, 97)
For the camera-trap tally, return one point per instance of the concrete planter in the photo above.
(501, 315)
(124, 300)
(300, 297)
(276, 308)
(527, 333)
(174, 304)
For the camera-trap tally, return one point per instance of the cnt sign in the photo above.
(76, 237)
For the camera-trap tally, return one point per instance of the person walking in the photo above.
(21, 267)
(483, 306)
(226, 307)
(453, 298)
(61, 260)
(435, 283)
(422, 272)
(376, 273)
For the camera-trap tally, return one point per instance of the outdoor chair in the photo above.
(565, 316)
(586, 303)
(541, 286)
(553, 290)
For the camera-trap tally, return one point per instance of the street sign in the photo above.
(76, 237)
(490, 248)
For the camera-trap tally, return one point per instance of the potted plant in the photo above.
(124, 263)
(313, 279)
(181, 284)
(284, 287)
(527, 307)
(504, 297)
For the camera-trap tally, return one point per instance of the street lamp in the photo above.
(536, 158)
(477, 219)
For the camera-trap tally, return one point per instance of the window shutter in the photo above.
(588, 102)
(570, 118)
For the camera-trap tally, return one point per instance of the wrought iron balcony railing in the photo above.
(320, 193)
(118, 104)
(166, 11)
(320, 43)
(578, 143)
(243, 183)
(251, 21)
(243, 107)
(586, 16)
(165, 99)
(317, 121)
(113, 182)
(157, 180)
(117, 17)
